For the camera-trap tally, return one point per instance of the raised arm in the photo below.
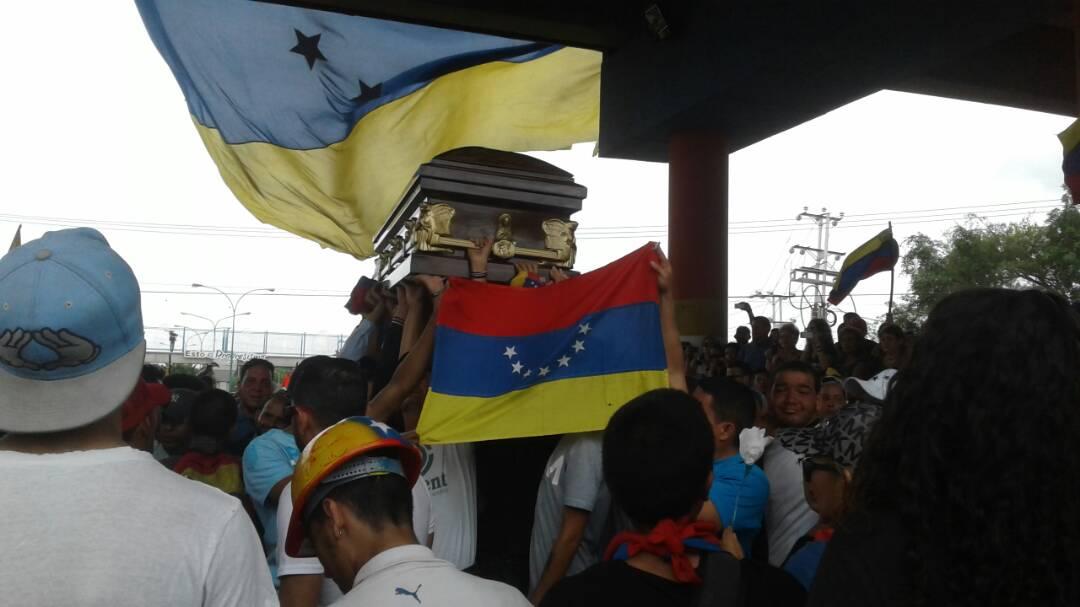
(478, 258)
(745, 307)
(669, 328)
(416, 364)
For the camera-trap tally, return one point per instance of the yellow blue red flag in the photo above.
(512, 362)
(878, 254)
(317, 120)
(1070, 142)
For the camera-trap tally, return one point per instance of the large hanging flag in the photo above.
(317, 120)
(878, 254)
(1070, 142)
(512, 362)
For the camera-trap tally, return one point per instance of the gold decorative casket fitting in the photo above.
(430, 232)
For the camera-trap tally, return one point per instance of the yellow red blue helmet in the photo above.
(343, 452)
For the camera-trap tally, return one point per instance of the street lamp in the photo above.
(213, 323)
(233, 305)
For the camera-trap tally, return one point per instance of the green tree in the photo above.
(979, 254)
(184, 369)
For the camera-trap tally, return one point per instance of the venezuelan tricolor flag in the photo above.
(513, 362)
(318, 120)
(878, 254)
(1070, 142)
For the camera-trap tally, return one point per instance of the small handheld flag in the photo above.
(1070, 143)
(512, 362)
(878, 254)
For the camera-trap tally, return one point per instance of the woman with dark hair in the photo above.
(967, 493)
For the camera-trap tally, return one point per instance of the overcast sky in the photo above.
(96, 129)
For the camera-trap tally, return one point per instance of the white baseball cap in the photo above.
(871, 390)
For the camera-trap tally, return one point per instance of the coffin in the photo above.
(524, 204)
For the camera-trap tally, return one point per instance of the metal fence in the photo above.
(205, 342)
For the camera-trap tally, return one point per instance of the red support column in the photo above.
(697, 231)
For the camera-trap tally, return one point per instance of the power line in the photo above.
(594, 232)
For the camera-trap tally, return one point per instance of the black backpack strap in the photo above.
(720, 574)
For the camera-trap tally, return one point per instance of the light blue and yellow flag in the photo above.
(317, 120)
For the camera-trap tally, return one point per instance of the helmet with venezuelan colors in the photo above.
(354, 448)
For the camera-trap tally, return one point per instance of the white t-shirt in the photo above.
(411, 575)
(112, 527)
(423, 527)
(450, 474)
(787, 515)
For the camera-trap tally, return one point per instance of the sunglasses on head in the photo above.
(819, 462)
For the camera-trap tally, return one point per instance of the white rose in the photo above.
(752, 443)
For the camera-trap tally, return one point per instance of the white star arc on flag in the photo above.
(578, 346)
(564, 361)
(518, 367)
(511, 352)
(544, 371)
(584, 329)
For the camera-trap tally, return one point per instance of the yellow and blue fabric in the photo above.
(317, 120)
(1070, 143)
(330, 451)
(513, 362)
(878, 254)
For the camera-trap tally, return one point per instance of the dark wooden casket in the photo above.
(524, 204)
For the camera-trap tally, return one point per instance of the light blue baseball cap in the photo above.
(71, 332)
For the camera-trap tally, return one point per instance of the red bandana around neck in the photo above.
(669, 539)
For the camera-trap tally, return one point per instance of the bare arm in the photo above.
(414, 320)
(478, 258)
(412, 369)
(709, 514)
(745, 307)
(566, 544)
(669, 328)
(275, 491)
(300, 590)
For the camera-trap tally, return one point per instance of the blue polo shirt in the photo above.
(733, 480)
(268, 459)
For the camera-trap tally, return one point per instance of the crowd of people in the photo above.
(918, 468)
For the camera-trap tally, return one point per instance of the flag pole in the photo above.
(892, 285)
(16, 242)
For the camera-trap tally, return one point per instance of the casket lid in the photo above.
(486, 176)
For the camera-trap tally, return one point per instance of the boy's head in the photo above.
(657, 456)
(730, 407)
(213, 413)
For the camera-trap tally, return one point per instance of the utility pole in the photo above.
(172, 346)
(776, 300)
(819, 276)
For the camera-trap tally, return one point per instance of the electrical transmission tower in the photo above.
(820, 276)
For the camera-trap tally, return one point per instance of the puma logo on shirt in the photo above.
(414, 594)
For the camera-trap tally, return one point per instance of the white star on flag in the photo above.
(544, 371)
(527, 373)
(518, 367)
(511, 352)
(381, 426)
(564, 361)
(578, 346)
(584, 329)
